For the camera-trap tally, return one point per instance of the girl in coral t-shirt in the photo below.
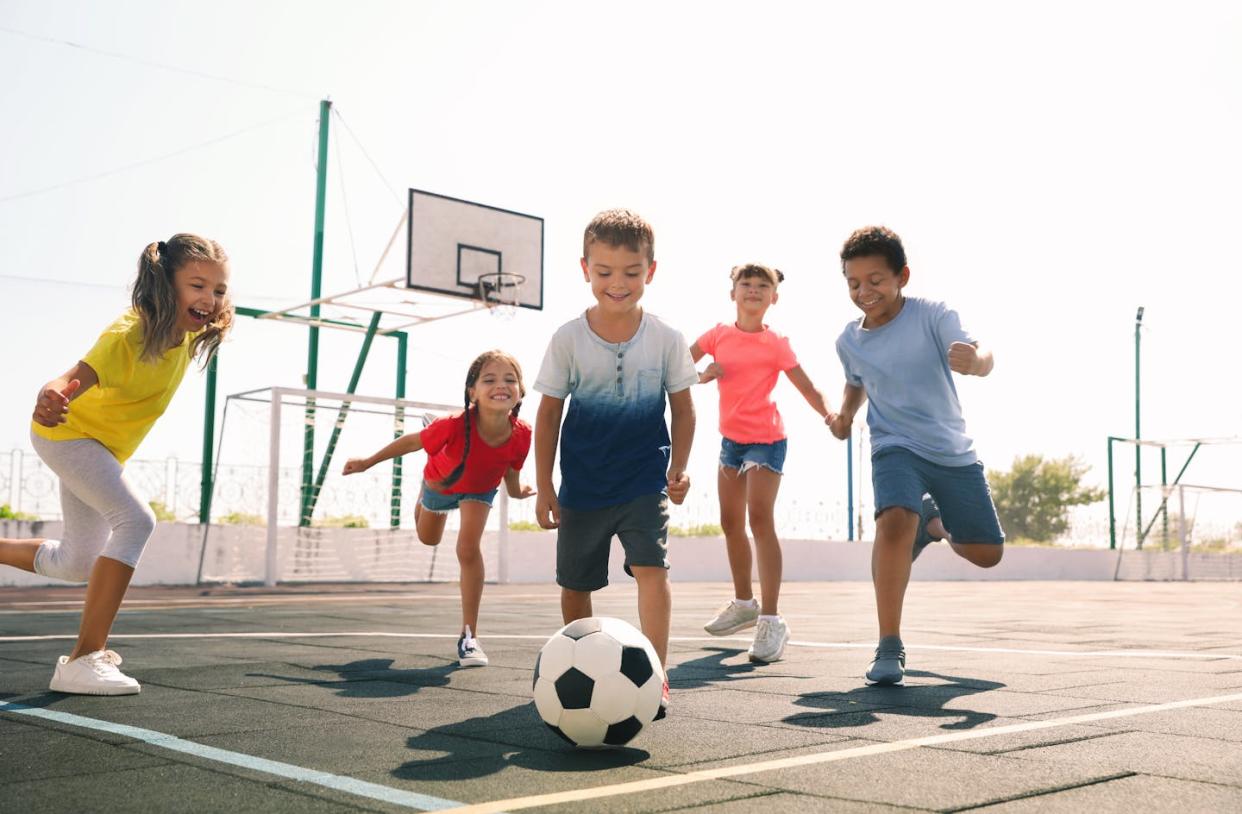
(749, 357)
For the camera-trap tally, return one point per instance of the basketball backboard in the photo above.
(452, 243)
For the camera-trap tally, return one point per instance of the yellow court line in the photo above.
(656, 784)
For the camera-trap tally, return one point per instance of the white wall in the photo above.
(172, 558)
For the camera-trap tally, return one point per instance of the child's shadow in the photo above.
(473, 749)
(712, 669)
(374, 678)
(839, 710)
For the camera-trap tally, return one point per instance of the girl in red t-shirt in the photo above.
(468, 455)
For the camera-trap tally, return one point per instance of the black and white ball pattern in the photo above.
(598, 682)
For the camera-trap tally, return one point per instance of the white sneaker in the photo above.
(770, 639)
(732, 618)
(470, 652)
(93, 674)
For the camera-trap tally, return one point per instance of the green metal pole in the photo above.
(1164, 498)
(209, 433)
(1112, 513)
(1138, 430)
(394, 518)
(312, 353)
(343, 411)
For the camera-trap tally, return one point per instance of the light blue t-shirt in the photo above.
(904, 367)
(614, 444)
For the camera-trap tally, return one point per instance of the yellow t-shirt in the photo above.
(131, 394)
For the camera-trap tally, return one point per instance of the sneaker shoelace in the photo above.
(898, 653)
(104, 663)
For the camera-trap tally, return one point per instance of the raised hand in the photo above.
(678, 487)
(52, 405)
(354, 465)
(964, 358)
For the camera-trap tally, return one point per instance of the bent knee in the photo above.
(984, 555)
(428, 539)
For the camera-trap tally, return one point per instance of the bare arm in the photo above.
(52, 403)
(709, 373)
(405, 444)
(799, 379)
(682, 432)
(547, 434)
(513, 485)
(851, 402)
(970, 360)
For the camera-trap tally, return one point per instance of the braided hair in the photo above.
(472, 376)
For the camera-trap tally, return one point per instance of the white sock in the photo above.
(775, 618)
(746, 603)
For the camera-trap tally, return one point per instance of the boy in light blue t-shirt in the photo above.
(619, 466)
(901, 356)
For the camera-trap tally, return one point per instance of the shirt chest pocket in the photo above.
(650, 384)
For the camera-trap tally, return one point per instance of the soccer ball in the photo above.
(598, 682)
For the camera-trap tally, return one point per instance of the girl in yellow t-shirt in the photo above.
(181, 311)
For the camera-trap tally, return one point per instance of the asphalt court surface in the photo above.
(1053, 696)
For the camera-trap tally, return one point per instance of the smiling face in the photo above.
(498, 387)
(202, 290)
(875, 288)
(754, 295)
(618, 276)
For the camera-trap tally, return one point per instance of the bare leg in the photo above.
(762, 486)
(575, 605)
(430, 526)
(19, 553)
(104, 591)
(731, 488)
(473, 518)
(890, 565)
(655, 606)
(984, 555)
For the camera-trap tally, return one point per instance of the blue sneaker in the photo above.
(889, 666)
(469, 652)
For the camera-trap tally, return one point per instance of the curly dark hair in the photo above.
(872, 241)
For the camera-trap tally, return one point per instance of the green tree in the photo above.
(1034, 497)
(162, 513)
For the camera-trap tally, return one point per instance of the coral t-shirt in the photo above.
(444, 441)
(751, 363)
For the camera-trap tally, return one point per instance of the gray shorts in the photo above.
(586, 535)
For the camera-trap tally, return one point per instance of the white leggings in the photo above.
(103, 516)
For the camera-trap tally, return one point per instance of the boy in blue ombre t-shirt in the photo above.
(619, 466)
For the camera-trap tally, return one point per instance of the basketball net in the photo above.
(501, 292)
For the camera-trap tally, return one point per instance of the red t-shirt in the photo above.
(444, 440)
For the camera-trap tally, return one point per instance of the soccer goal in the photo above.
(271, 523)
(1179, 530)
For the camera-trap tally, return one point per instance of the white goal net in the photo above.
(1187, 532)
(275, 519)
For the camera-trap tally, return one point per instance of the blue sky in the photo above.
(1050, 167)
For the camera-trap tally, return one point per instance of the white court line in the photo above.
(381, 634)
(349, 785)
(655, 784)
(259, 600)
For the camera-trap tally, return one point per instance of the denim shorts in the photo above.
(442, 503)
(585, 537)
(747, 456)
(901, 479)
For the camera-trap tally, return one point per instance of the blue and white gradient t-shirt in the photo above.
(904, 367)
(614, 442)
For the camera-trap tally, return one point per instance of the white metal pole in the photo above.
(273, 486)
(1181, 527)
(502, 537)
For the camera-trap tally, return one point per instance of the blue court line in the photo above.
(349, 785)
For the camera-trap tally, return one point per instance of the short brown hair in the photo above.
(620, 227)
(773, 276)
(873, 241)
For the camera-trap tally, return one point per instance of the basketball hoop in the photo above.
(501, 292)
